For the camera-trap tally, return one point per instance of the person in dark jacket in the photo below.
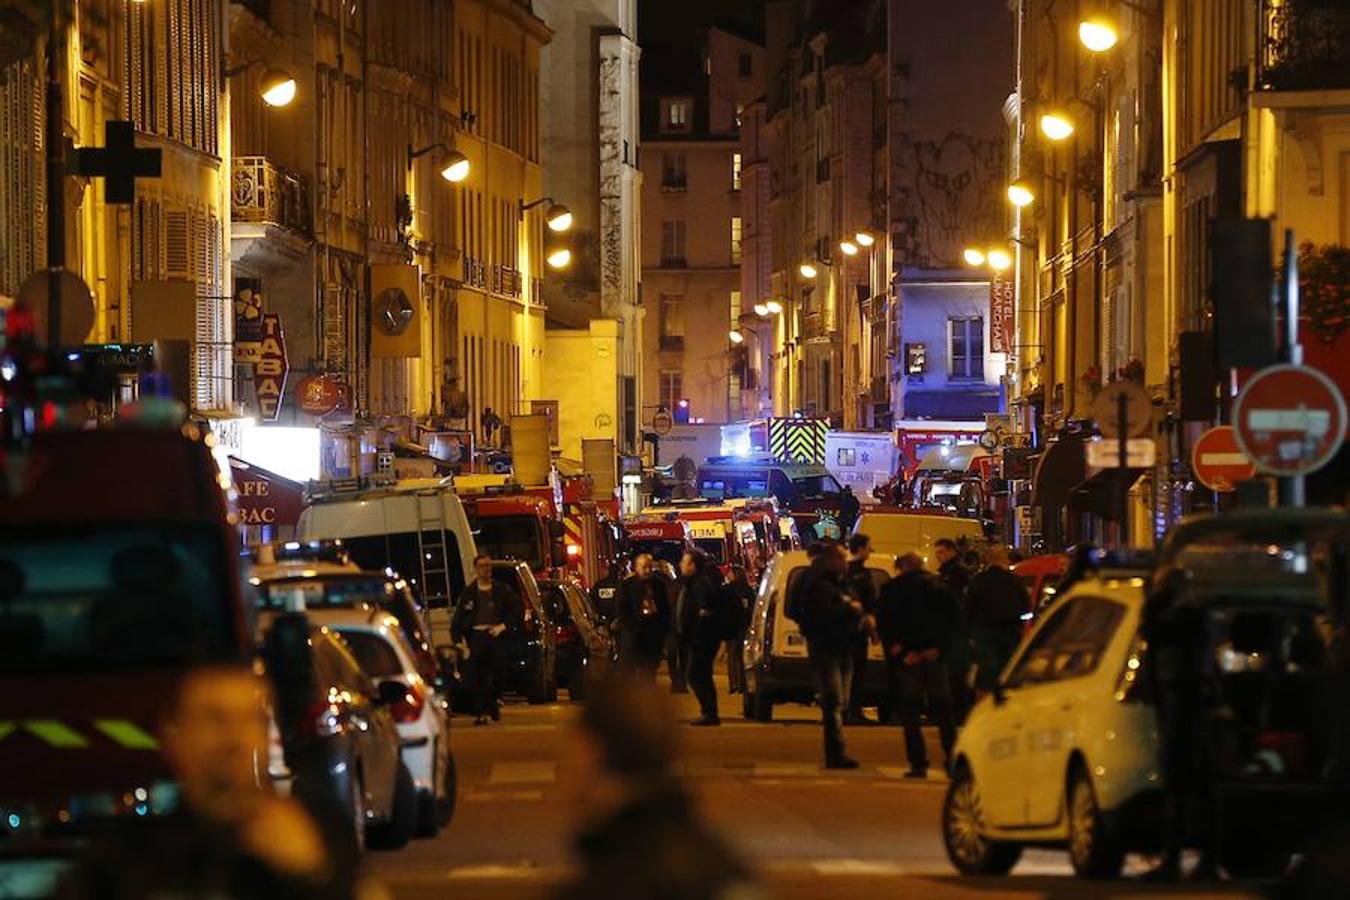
(488, 613)
(742, 596)
(957, 578)
(605, 594)
(995, 604)
(830, 621)
(643, 611)
(701, 629)
(916, 616)
(862, 588)
(641, 837)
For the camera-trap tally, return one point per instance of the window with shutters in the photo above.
(672, 322)
(21, 174)
(673, 244)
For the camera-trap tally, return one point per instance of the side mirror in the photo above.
(390, 692)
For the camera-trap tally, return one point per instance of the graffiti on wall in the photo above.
(950, 192)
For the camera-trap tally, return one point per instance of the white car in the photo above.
(422, 716)
(1067, 752)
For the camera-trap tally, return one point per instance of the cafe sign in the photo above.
(270, 368)
(265, 498)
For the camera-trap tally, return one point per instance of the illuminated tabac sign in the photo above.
(269, 371)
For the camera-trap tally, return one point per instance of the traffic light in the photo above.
(681, 413)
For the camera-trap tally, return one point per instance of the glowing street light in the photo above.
(455, 167)
(1020, 195)
(560, 258)
(807, 270)
(973, 256)
(762, 310)
(277, 88)
(559, 218)
(849, 248)
(864, 239)
(999, 260)
(1098, 34)
(736, 337)
(1056, 126)
(774, 307)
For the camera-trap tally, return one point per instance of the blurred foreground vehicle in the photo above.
(1202, 703)
(586, 648)
(118, 576)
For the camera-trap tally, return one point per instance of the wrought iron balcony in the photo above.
(1305, 45)
(268, 194)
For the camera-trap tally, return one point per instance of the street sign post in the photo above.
(1218, 462)
(1139, 453)
(1290, 420)
(1123, 410)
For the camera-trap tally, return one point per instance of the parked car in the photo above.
(327, 581)
(531, 655)
(1067, 752)
(335, 743)
(586, 646)
(776, 666)
(422, 715)
(1041, 575)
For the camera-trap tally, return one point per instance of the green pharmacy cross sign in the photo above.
(119, 161)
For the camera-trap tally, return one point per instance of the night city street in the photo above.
(674, 449)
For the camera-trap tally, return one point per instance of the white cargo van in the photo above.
(419, 530)
(894, 533)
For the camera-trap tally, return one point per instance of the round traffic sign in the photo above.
(77, 305)
(989, 439)
(1138, 409)
(1218, 462)
(1290, 420)
(662, 422)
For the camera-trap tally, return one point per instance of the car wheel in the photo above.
(539, 686)
(762, 705)
(445, 807)
(358, 811)
(1092, 850)
(396, 833)
(428, 813)
(747, 705)
(963, 831)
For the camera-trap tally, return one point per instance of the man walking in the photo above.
(829, 620)
(701, 630)
(957, 578)
(488, 610)
(863, 589)
(995, 604)
(916, 616)
(643, 618)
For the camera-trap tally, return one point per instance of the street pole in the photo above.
(1292, 490)
(56, 180)
(1122, 422)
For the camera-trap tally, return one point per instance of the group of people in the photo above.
(945, 636)
(686, 621)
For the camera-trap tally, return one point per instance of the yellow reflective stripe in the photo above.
(5, 729)
(58, 734)
(126, 733)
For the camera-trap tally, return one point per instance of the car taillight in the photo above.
(408, 709)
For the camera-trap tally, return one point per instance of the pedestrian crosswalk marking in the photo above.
(779, 770)
(833, 867)
(490, 871)
(524, 773)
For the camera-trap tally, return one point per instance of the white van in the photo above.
(419, 530)
(776, 666)
(896, 533)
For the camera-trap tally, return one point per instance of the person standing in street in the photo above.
(995, 604)
(701, 630)
(863, 589)
(487, 613)
(849, 509)
(643, 611)
(741, 596)
(916, 616)
(957, 578)
(605, 593)
(641, 836)
(830, 620)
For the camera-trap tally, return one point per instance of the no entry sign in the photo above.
(1218, 462)
(1290, 420)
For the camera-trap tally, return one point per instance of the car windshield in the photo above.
(375, 654)
(670, 551)
(510, 537)
(714, 547)
(82, 598)
(298, 594)
(812, 487)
